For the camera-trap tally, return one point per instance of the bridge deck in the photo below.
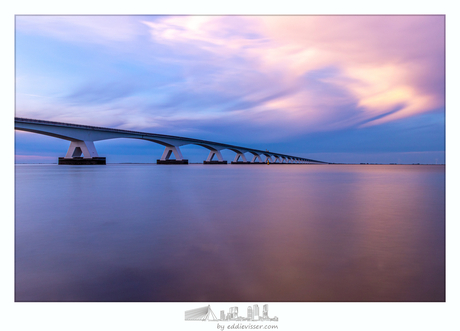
(146, 135)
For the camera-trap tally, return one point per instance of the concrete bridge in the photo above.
(82, 138)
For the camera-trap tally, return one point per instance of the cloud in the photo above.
(101, 93)
(381, 63)
(81, 28)
(269, 74)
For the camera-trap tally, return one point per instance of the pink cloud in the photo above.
(309, 73)
(34, 158)
(382, 63)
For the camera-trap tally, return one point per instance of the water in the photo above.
(259, 233)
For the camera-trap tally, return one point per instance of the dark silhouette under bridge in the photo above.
(83, 151)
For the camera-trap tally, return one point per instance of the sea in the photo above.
(230, 233)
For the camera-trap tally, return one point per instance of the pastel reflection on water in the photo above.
(230, 233)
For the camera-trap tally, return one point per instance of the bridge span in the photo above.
(82, 138)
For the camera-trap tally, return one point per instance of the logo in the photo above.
(253, 314)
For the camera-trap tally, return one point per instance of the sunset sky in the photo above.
(333, 88)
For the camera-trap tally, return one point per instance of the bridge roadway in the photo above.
(82, 138)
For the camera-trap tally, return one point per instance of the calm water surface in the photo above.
(230, 233)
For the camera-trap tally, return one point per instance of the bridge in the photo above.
(82, 138)
(200, 314)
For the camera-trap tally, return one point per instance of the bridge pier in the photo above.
(216, 153)
(256, 157)
(82, 161)
(238, 156)
(165, 158)
(79, 147)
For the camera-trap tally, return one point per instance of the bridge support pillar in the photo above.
(216, 153)
(238, 156)
(165, 158)
(255, 158)
(79, 147)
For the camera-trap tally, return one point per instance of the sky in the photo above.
(352, 89)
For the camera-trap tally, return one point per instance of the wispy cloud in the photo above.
(380, 62)
(83, 29)
(299, 73)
